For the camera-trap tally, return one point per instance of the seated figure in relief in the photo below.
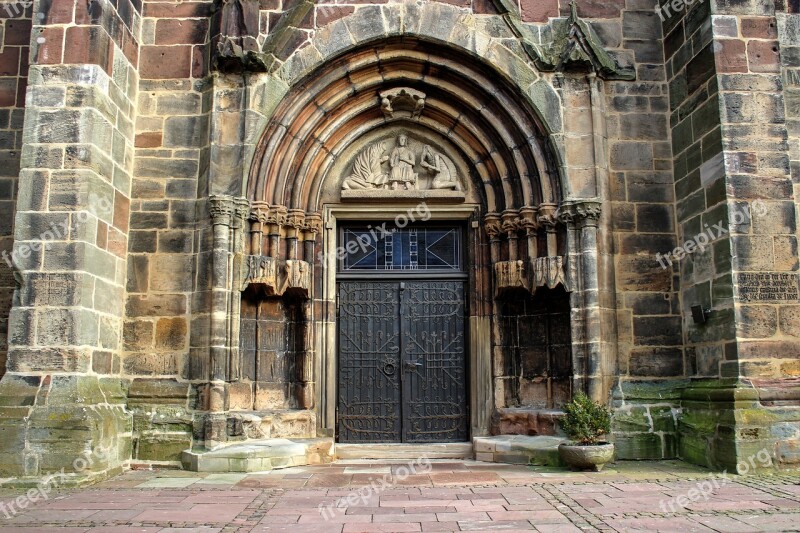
(402, 162)
(437, 164)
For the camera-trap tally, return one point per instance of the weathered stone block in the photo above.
(161, 446)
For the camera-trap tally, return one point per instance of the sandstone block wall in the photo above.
(15, 33)
(130, 126)
(71, 235)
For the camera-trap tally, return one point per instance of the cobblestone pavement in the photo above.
(451, 496)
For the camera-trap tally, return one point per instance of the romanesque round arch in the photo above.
(490, 121)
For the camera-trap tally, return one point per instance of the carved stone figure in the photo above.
(367, 170)
(237, 44)
(415, 169)
(442, 169)
(402, 162)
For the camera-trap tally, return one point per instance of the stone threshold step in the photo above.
(541, 450)
(260, 455)
(447, 450)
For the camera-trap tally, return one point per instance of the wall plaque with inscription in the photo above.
(768, 287)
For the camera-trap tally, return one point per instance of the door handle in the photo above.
(411, 365)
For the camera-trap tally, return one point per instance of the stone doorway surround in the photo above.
(479, 380)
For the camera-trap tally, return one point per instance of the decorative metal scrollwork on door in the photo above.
(402, 368)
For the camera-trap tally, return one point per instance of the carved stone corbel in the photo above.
(261, 273)
(296, 279)
(511, 275)
(548, 272)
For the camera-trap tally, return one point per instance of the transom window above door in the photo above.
(382, 248)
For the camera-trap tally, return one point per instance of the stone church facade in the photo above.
(305, 224)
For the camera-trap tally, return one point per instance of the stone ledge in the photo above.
(260, 455)
(519, 450)
(381, 195)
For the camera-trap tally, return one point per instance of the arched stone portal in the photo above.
(399, 127)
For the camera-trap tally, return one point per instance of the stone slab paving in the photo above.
(363, 496)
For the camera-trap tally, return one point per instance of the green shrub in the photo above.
(585, 421)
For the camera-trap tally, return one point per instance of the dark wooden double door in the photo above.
(402, 364)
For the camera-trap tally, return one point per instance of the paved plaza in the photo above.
(442, 495)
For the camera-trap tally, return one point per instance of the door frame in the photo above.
(325, 341)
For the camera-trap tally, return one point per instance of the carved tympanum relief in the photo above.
(410, 165)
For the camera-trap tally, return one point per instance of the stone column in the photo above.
(589, 215)
(547, 218)
(530, 224)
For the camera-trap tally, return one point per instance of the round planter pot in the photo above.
(591, 457)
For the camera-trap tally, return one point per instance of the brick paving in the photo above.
(350, 497)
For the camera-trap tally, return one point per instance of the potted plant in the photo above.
(586, 422)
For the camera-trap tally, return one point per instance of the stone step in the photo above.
(260, 455)
(541, 450)
(448, 450)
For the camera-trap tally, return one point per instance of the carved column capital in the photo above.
(241, 211)
(492, 225)
(295, 218)
(528, 220)
(583, 212)
(277, 215)
(259, 212)
(510, 221)
(313, 223)
(222, 209)
(547, 215)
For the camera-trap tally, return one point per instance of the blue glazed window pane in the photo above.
(402, 249)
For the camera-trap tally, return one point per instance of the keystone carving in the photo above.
(402, 98)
